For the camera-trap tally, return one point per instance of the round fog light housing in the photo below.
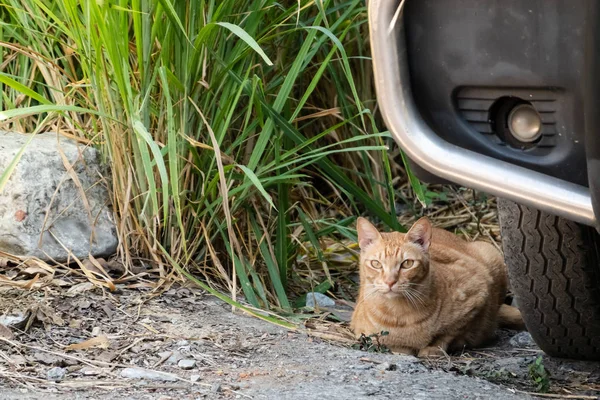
(525, 123)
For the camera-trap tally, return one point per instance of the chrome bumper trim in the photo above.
(443, 159)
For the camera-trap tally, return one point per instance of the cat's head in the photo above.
(394, 264)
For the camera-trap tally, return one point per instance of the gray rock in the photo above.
(89, 371)
(13, 320)
(360, 367)
(319, 299)
(194, 378)
(174, 358)
(386, 366)
(42, 208)
(46, 358)
(140, 373)
(186, 364)
(522, 339)
(56, 374)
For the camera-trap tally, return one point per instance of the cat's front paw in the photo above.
(431, 351)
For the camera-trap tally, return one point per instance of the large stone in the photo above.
(43, 212)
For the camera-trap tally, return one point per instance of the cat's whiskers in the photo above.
(418, 296)
(409, 296)
(369, 294)
(415, 297)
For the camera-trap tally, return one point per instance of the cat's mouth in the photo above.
(394, 292)
(391, 292)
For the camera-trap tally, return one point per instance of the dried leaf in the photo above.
(34, 270)
(89, 265)
(19, 284)
(34, 262)
(98, 341)
(6, 259)
(80, 288)
(94, 269)
(6, 333)
(47, 316)
(60, 282)
(114, 265)
(32, 282)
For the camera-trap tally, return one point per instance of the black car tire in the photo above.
(554, 270)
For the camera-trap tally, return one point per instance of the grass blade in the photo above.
(242, 34)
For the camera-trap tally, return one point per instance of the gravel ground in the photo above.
(185, 345)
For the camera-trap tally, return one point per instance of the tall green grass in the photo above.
(237, 131)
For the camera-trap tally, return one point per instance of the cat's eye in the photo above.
(406, 264)
(375, 264)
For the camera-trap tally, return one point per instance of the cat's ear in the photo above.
(367, 233)
(420, 233)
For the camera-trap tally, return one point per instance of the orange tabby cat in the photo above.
(432, 291)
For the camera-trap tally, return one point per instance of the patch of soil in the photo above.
(86, 344)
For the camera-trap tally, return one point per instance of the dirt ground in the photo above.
(187, 345)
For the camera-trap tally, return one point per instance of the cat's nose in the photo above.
(391, 283)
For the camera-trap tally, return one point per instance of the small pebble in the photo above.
(186, 364)
(319, 299)
(56, 374)
(522, 339)
(361, 366)
(195, 378)
(140, 373)
(13, 320)
(386, 366)
(215, 388)
(89, 371)
(175, 358)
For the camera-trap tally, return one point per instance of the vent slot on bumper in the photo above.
(476, 106)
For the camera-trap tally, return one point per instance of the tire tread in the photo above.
(554, 269)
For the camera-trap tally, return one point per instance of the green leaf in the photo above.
(22, 88)
(256, 182)
(242, 34)
(172, 15)
(13, 164)
(26, 111)
(271, 266)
